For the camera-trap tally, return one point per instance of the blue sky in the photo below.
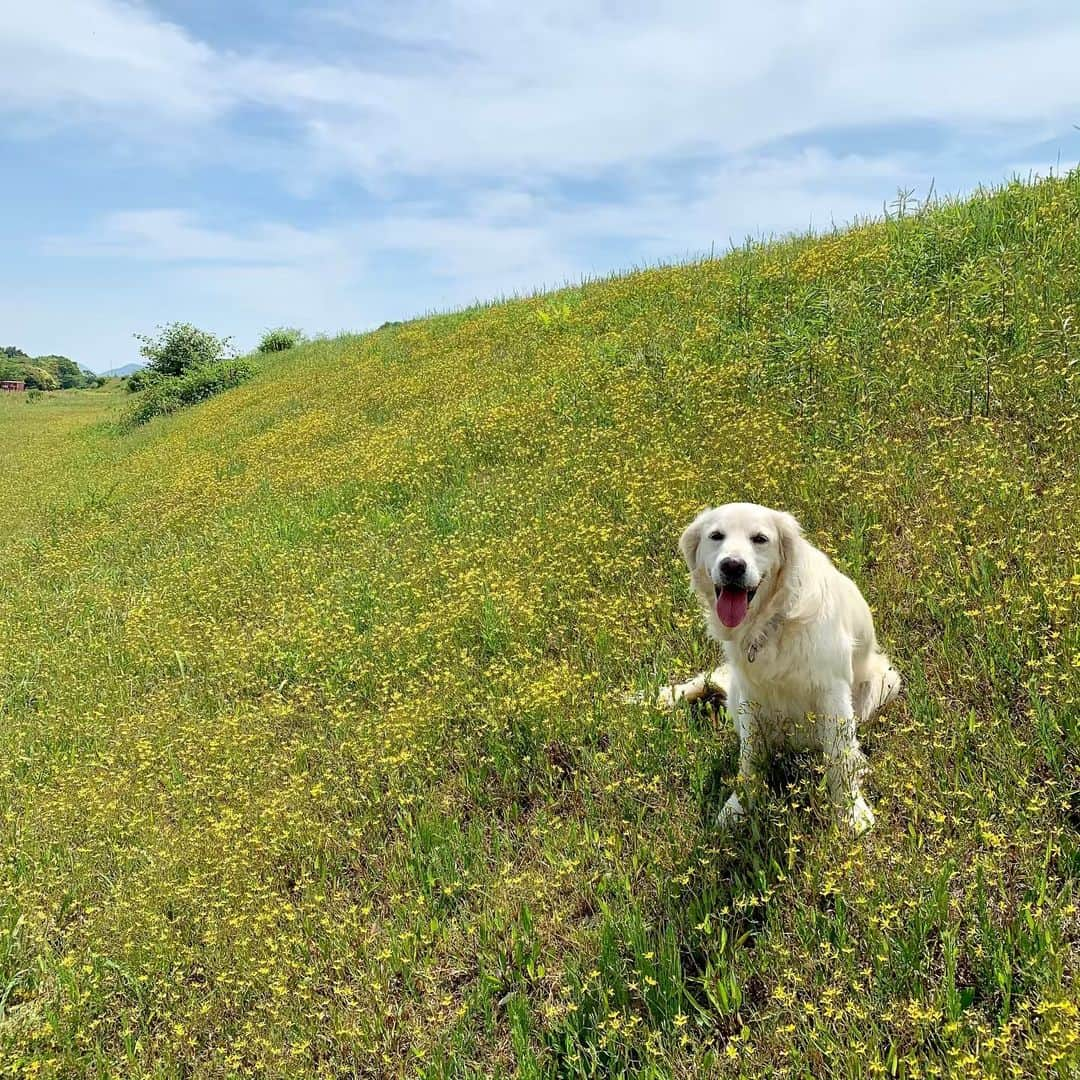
(333, 165)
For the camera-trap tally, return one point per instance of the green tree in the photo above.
(38, 378)
(179, 346)
(68, 374)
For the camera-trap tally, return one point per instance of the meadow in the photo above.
(316, 753)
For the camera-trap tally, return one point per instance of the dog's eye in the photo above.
(759, 538)
(716, 534)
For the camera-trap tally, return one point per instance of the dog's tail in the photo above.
(880, 684)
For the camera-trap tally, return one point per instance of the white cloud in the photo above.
(498, 241)
(553, 88)
(103, 58)
(501, 146)
(558, 89)
(176, 235)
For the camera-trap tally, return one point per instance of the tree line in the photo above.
(44, 372)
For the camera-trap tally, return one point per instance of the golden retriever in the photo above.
(803, 665)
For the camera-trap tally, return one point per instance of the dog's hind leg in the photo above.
(880, 684)
(709, 684)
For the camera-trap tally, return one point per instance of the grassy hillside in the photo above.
(315, 757)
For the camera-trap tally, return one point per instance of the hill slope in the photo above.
(315, 756)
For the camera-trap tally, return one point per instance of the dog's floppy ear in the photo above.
(691, 538)
(790, 534)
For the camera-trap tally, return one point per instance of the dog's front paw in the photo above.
(857, 818)
(731, 813)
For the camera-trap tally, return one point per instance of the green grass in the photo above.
(315, 756)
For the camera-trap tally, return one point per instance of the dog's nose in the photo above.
(732, 568)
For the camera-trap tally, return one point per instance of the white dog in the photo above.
(803, 664)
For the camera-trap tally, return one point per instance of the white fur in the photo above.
(803, 667)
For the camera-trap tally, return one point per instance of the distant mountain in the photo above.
(121, 372)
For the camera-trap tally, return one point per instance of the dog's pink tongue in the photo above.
(731, 606)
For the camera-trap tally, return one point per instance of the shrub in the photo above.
(32, 395)
(180, 346)
(142, 379)
(166, 396)
(280, 339)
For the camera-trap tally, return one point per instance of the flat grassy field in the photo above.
(315, 753)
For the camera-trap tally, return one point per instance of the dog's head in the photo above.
(738, 555)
